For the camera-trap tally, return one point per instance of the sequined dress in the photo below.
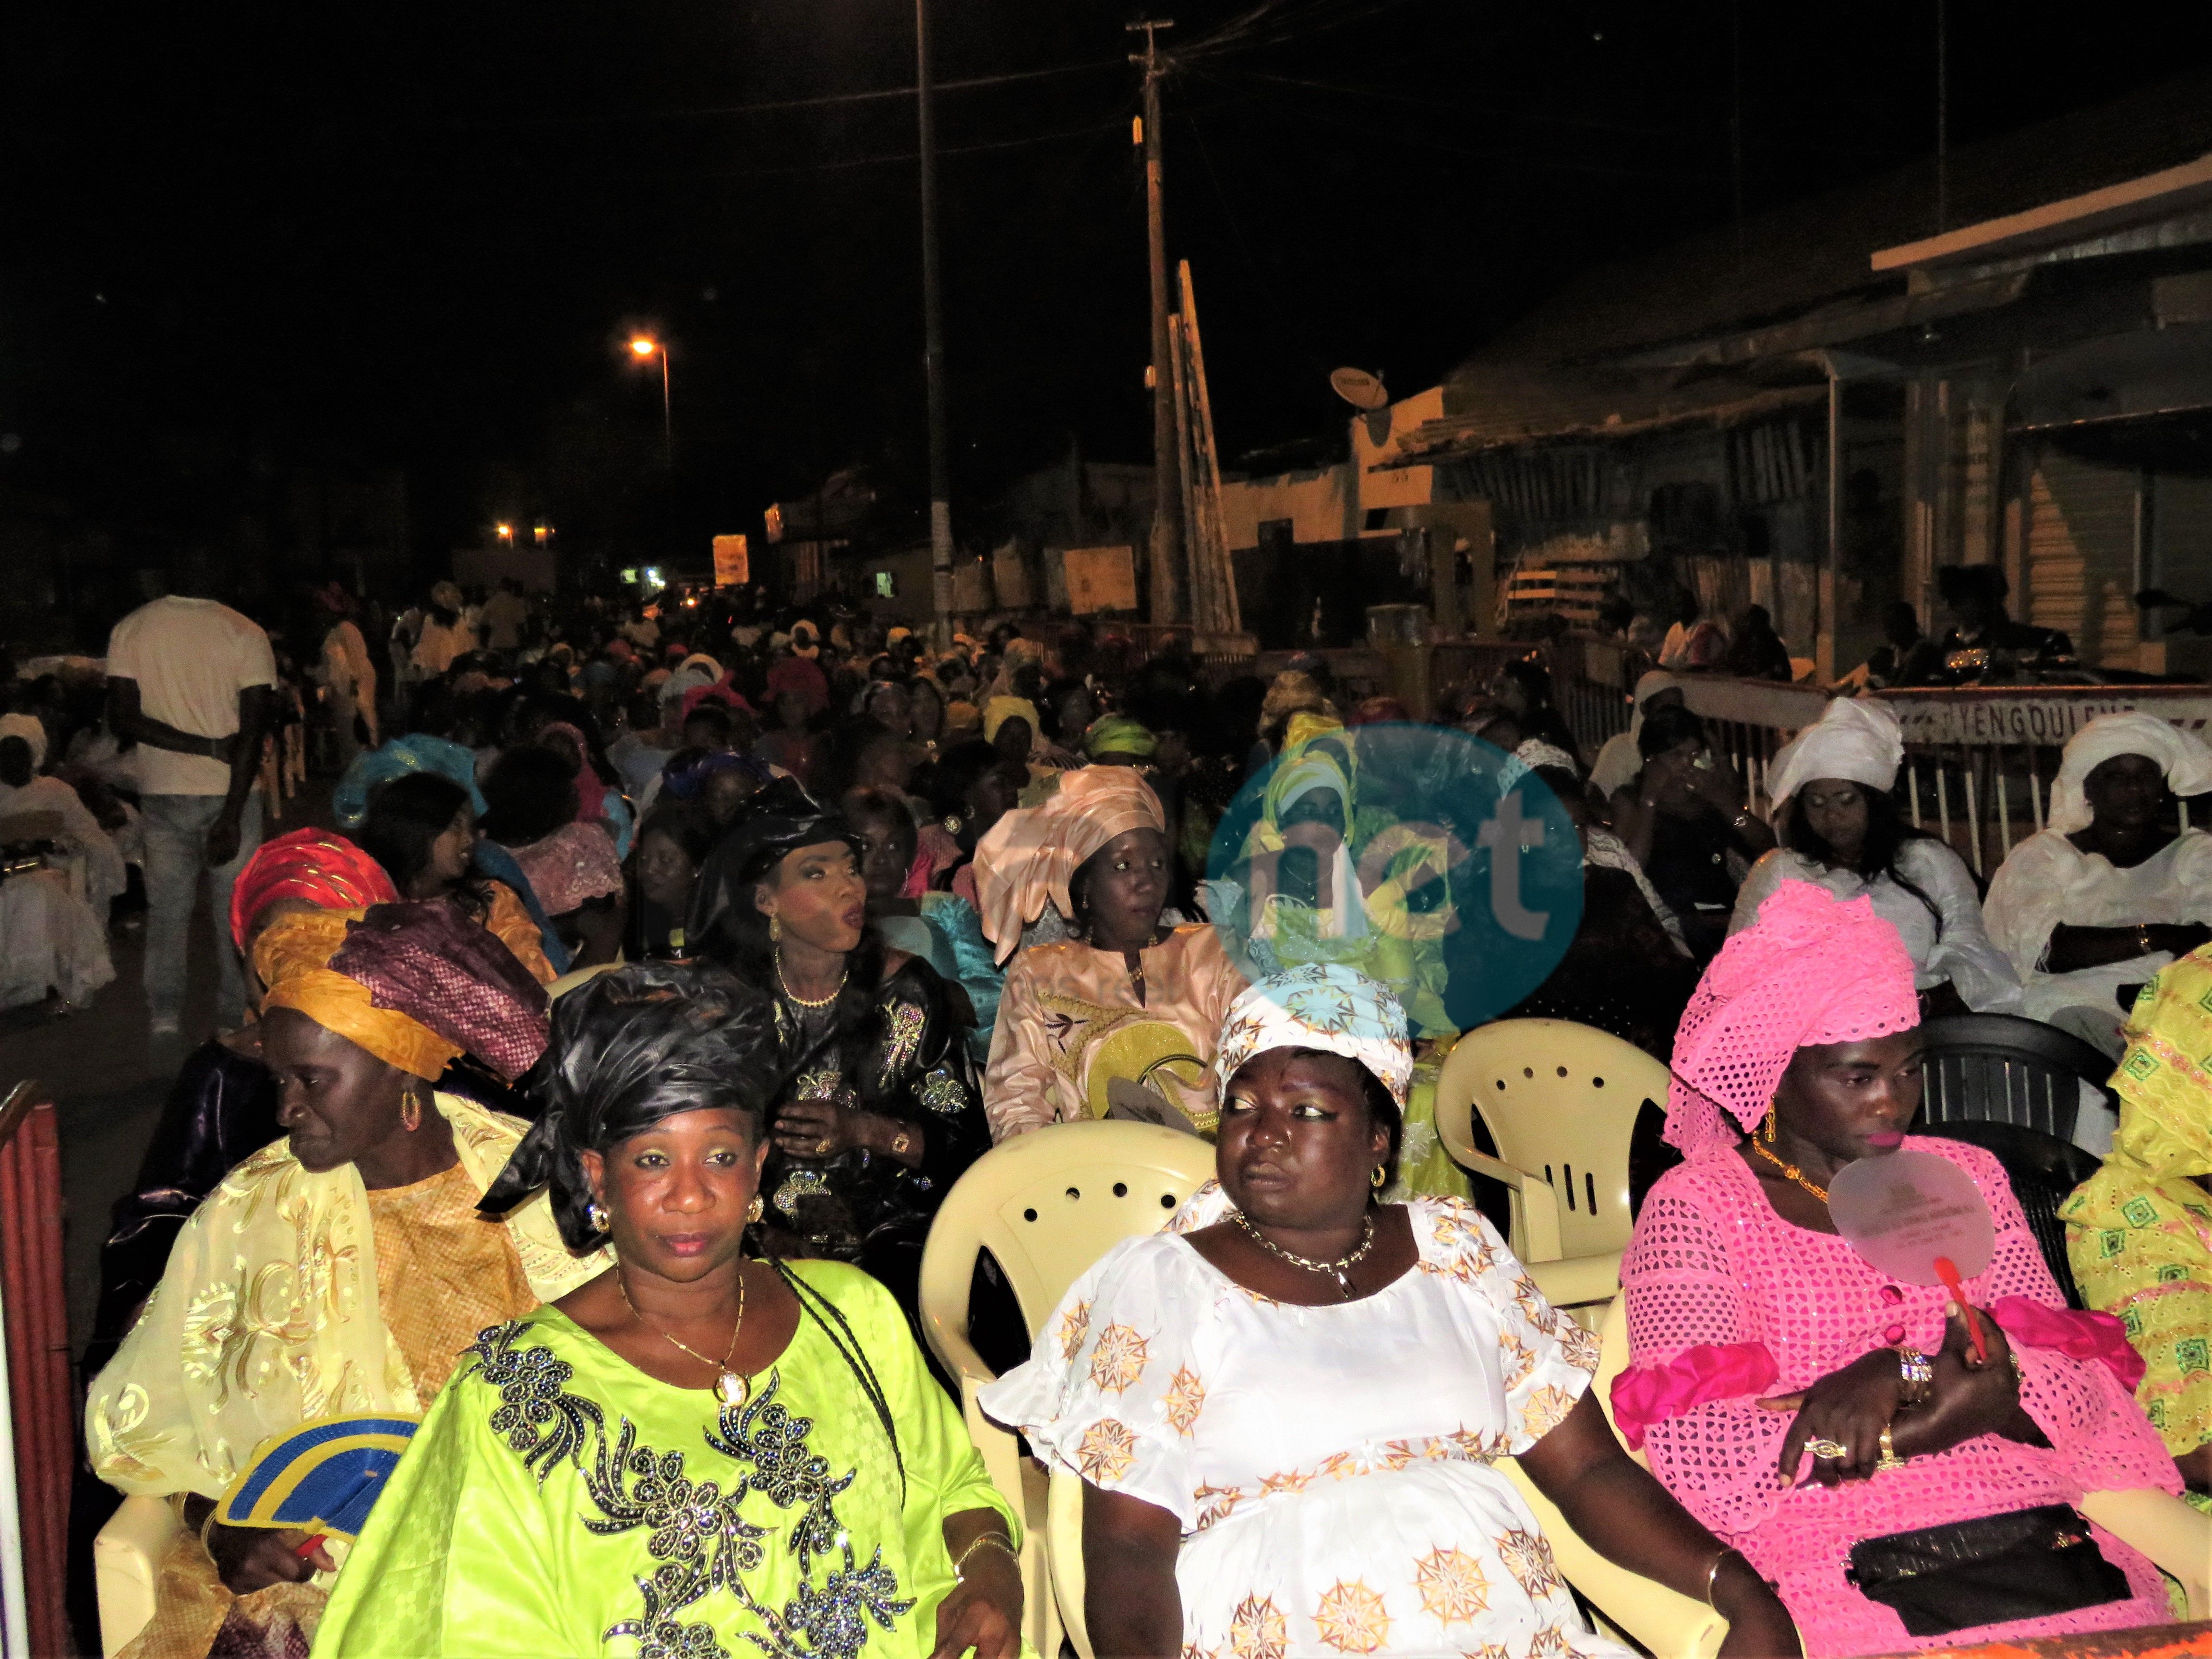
(557, 1500)
(865, 1206)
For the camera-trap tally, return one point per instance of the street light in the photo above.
(505, 532)
(644, 345)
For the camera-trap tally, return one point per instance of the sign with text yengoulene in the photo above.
(1100, 578)
(732, 561)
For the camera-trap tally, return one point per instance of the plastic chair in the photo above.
(2000, 1068)
(1555, 1097)
(126, 1566)
(1047, 1205)
(2044, 1171)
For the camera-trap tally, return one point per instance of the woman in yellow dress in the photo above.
(341, 1269)
(697, 1453)
(2139, 1231)
(1124, 1014)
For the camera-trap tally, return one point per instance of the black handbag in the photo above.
(2028, 1563)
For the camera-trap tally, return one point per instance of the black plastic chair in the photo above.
(2043, 1171)
(1999, 1068)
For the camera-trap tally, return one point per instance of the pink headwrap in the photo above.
(1809, 970)
(1031, 853)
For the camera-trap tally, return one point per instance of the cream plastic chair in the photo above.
(1047, 1205)
(1559, 1098)
(127, 1564)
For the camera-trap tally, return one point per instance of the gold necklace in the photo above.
(1336, 1269)
(733, 1389)
(784, 985)
(1792, 1172)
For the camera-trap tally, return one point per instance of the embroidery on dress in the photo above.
(903, 1040)
(806, 1182)
(943, 1093)
(698, 1540)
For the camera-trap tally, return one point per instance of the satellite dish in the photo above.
(1360, 388)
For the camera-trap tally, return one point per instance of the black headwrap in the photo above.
(775, 820)
(629, 1049)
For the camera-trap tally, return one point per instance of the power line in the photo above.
(827, 100)
(1120, 123)
(1415, 99)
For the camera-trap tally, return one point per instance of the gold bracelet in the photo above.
(1889, 1459)
(997, 1540)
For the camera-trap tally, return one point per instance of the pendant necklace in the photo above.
(1337, 1269)
(732, 1389)
(1791, 1171)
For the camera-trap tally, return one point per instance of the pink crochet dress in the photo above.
(1711, 1262)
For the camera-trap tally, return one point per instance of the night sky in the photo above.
(242, 239)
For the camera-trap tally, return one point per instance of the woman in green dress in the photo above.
(696, 1454)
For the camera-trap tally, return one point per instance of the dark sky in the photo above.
(252, 236)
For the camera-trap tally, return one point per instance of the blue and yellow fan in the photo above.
(323, 1477)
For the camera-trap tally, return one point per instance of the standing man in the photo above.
(504, 614)
(194, 685)
(348, 675)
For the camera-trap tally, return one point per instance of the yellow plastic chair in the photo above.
(1560, 1102)
(1047, 1205)
(126, 1565)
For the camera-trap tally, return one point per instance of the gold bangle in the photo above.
(995, 1540)
(1713, 1572)
(1889, 1459)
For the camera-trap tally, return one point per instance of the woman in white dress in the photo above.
(1841, 830)
(2107, 894)
(1284, 1409)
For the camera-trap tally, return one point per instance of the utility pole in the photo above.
(932, 349)
(1167, 547)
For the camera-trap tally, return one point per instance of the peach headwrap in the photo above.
(292, 957)
(1810, 969)
(1031, 853)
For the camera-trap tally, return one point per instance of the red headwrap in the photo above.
(319, 866)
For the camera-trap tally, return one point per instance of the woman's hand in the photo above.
(1850, 1407)
(248, 1558)
(984, 1611)
(1760, 1627)
(1967, 1399)
(815, 1129)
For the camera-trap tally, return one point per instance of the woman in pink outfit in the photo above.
(1797, 1400)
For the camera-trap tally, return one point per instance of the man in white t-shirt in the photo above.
(193, 684)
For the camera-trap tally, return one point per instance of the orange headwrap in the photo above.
(293, 955)
(1030, 854)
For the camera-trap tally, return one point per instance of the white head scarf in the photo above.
(1647, 688)
(1323, 1006)
(27, 727)
(2182, 756)
(1856, 738)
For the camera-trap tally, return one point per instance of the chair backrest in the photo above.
(2000, 1068)
(1559, 1101)
(1047, 1205)
(2043, 1171)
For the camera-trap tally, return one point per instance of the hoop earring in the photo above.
(410, 1111)
(1766, 1129)
(775, 929)
(596, 1215)
(755, 1210)
(1381, 1175)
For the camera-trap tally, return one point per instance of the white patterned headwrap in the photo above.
(1324, 1006)
(2182, 756)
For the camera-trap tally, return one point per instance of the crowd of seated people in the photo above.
(606, 1139)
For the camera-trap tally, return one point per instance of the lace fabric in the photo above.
(1711, 1262)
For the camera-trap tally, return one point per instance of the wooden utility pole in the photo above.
(933, 349)
(1167, 545)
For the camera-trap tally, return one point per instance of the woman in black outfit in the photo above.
(1684, 818)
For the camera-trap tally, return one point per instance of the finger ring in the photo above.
(1827, 1449)
(822, 1148)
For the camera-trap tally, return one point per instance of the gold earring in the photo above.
(1380, 1174)
(1766, 1129)
(755, 1210)
(775, 929)
(410, 1111)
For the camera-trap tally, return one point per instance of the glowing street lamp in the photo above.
(504, 531)
(645, 346)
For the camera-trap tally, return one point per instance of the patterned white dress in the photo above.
(1331, 1467)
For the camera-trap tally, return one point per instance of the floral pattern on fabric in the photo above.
(1323, 1506)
